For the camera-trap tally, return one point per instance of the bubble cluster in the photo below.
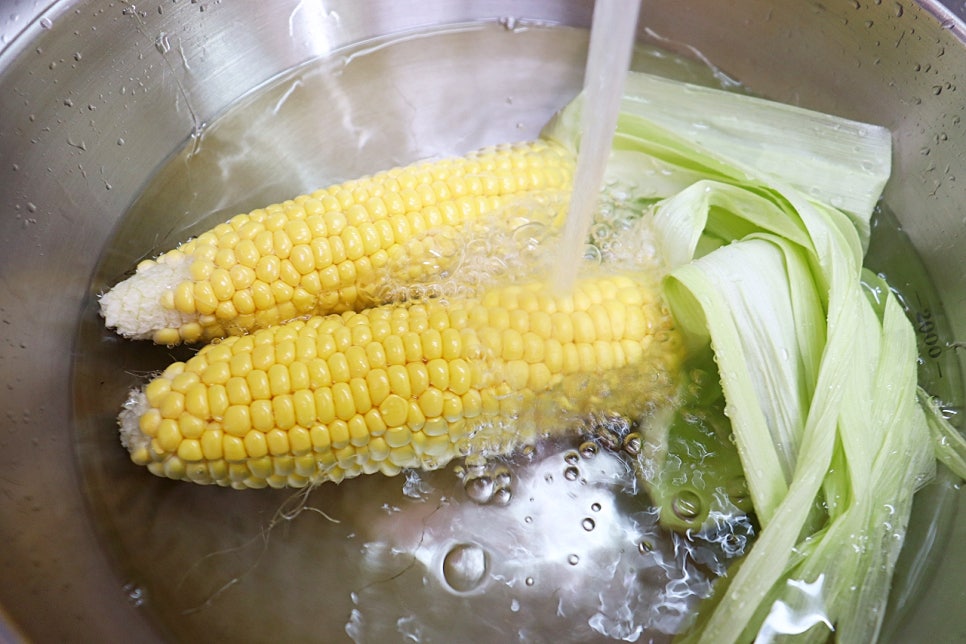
(610, 431)
(463, 261)
(485, 483)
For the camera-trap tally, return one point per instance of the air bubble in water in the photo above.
(502, 496)
(480, 489)
(687, 505)
(588, 449)
(571, 458)
(571, 473)
(135, 594)
(464, 567)
(573, 560)
(737, 489)
(588, 524)
(632, 443)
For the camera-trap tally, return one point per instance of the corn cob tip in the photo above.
(133, 439)
(133, 307)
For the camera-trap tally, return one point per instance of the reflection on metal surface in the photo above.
(577, 559)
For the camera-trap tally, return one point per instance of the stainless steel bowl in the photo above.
(96, 96)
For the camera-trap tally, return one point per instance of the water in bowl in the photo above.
(556, 542)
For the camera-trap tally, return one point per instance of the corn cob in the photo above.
(325, 252)
(399, 386)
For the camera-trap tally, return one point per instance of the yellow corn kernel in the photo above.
(360, 395)
(283, 407)
(278, 380)
(190, 451)
(237, 420)
(191, 426)
(375, 423)
(415, 418)
(472, 403)
(359, 431)
(261, 468)
(397, 436)
(431, 402)
(149, 422)
(217, 401)
(394, 410)
(238, 393)
(278, 443)
(156, 390)
(342, 401)
(321, 440)
(339, 433)
(256, 445)
(172, 405)
(169, 435)
(262, 415)
(300, 441)
(211, 445)
(418, 377)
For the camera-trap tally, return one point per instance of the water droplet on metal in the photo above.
(162, 44)
(465, 566)
(45, 23)
(529, 581)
